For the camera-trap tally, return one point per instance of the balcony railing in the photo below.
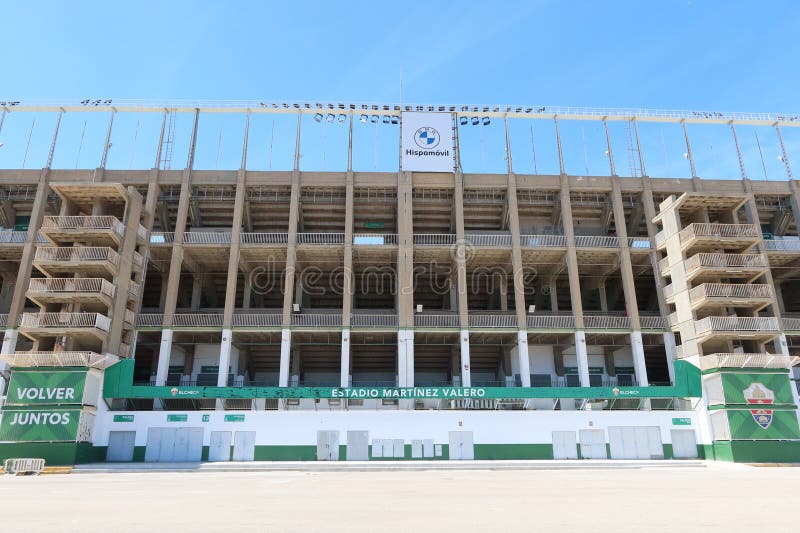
(492, 320)
(596, 241)
(9, 236)
(320, 238)
(497, 240)
(652, 322)
(444, 320)
(669, 291)
(149, 320)
(730, 291)
(83, 223)
(161, 237)
(735, 324)
(726, 261)
(264, 238)
(65, 321)
(82, 254)
(317, 319)
(374, 239)
(3, 319)
(256, 320)
(791, 323)
(207, 237)
(543, 241)
(550, 321)
(720, 231)
(64, 285)
(782, 245)
(606, 322)
(663, 265)
(639, 243)
(373, 320)
(197, 320)
(434, 239)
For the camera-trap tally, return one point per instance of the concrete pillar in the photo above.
(572, 255)
(405, 358)
(286, 350)
(164, 287)
(344, 380)
(524, 358)
(466, 378)
(461, 250)
(639, 366)
(603, 298)
(503, 293)
(781, 345)
(164, 353)
(224, 357)
(582, 357)
(405, 251)
(248, 289)
(669, 348)
(553, 295)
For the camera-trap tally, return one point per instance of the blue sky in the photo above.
(732, 55)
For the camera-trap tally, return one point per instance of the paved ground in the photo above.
(716, 497)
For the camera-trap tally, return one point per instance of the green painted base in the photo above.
(54, 453)
(751, 451)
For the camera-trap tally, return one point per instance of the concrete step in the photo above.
(377, 466)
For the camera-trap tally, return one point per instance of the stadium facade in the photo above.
(426, 313)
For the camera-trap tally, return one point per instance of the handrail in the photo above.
(65, 320)
(500, 319)
(713, 260)
(638, 243)
(253, 320)
(4, 319)
(730, 290)
(207, 237)
(550, 321)
(652, 322)
(104, 222)
(149, 319)
(596, 241)
(373, 320)
(789, 245)
(162, 237)
(606, 322)
(434, 239)
(320, 238)
(77, 254)
(72, 285)
(374, 239)
(443, 320)
(736, 323)
(543, 241)
(791, 324)
(477, 239)
(317, 319)
(264, 238)
(197, 320)
(719, 231)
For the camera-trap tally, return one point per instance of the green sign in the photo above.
(374, 225)
(46, 388)
(763, 424)
(234, 418)
(123, 418)
(209, 369)
(747, 388)
(177, 418)
(592, 370)
(40, 425)
(681, 421)
(174, 369)
(206, 418)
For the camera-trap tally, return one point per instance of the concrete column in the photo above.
(164, 287)
(603, 298)
(503, 293)
(248, 289)
(7, 291)
(291, 248)
(461, 250)
(197, 290)
(164, 353)
(582, 357)
(286, 350)
(524, 358)
(639, 367)
(405, 251)
(224, 357)
(553, 295)
(466, 378)
(572, 255)
(781, 345)
(669, 348)
(405, 358)
(345, 362)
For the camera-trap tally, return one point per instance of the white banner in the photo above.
(427, 143)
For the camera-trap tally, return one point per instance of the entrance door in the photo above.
(188, 445)
(635, 442)
(244, 445)
(565, 445)
(684, 443)
(327, 445)
(120, 446)
(593, 444)
(461, 446)
(220, 446)
(165, 445)
(358, 446)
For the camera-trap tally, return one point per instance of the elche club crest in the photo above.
(758, 394)
(427, 138)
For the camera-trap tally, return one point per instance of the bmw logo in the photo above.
(427, 138)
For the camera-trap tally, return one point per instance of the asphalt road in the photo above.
(719, 497)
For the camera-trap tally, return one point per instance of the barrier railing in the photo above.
(550, 321)
(320, 238)
(492, 320)
(373, 320)
(264, 238)
(65, 320)
(652, 322)
(317, 319)
(444, 320)
(736, 323)
(542, 241)
(725, 261)
(374, 239)
(207, 320)
(499, 240)
(4, 319)
(161, 237)
(15, 237)
(81, 223)
(606, 322)
(719, 231)
(150, 319)
(77, 254)
(730, 290)
(255, 320)
(71, 285)
(434, 239)
(596, 241)
(207, 237)
(782, 245)
(791, 324)
(639, 243)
